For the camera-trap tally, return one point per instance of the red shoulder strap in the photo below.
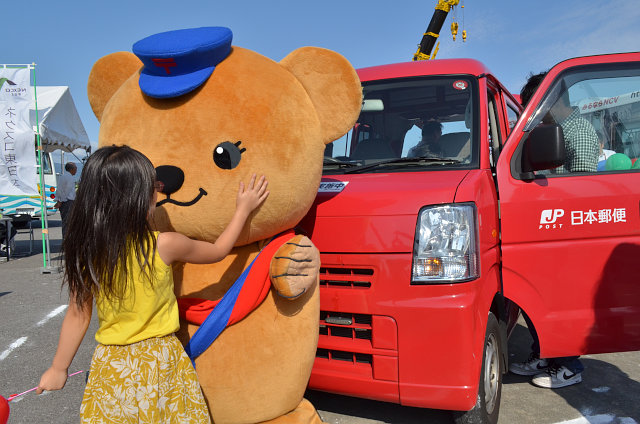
(254, 290)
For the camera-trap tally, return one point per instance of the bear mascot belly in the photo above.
(209, 115)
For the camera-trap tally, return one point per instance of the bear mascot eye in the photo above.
(227, 155)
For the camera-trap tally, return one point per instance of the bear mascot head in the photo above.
(209, 115)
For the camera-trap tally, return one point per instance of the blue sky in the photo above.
(512, 37)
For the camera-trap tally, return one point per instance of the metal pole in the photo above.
(46, 247)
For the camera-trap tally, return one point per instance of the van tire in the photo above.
(487, 405)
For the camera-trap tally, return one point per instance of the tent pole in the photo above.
(46, 248)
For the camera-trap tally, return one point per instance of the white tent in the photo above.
(60, 124)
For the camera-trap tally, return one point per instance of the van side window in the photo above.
(599, 112)
(493, 128)
(512, 117)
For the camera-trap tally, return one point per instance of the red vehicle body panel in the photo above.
(421, 68)
(577, 282)
(376, 213)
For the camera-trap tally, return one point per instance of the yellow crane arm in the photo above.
(430, 37)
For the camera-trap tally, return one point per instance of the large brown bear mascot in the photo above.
(208, 115)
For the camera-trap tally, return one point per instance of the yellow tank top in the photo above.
(145, 311)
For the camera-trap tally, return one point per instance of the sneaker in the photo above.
(532, 366)
(556, 377)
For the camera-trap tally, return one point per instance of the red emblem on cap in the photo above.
(165, 63)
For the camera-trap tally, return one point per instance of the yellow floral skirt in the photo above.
(151, 381)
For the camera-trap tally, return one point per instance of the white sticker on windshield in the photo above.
(460, 85)
(332, 186)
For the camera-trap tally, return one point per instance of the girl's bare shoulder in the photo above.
(168, 244)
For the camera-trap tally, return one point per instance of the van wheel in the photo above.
(490, 388)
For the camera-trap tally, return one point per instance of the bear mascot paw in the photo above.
(209, 115)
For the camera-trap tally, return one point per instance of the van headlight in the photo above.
(445, 249)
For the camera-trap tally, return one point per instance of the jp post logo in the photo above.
(549, 219)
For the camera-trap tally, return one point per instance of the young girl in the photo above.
(139, 371)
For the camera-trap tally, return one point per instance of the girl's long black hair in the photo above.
(108, 218)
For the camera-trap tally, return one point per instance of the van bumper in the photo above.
(382, 338)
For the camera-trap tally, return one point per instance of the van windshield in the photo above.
(406, 124)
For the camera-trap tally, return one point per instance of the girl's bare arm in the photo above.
(174, 247)
(74, 326)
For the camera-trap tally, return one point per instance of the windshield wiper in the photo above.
(327, 161)
(400, 161)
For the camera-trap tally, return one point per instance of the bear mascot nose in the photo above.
(171, 176)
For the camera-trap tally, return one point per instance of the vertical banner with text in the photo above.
(18, 174)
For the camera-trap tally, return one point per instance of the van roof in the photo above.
(423, 68)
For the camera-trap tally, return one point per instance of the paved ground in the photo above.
(32, 304)
(32, 307)
(609, 393)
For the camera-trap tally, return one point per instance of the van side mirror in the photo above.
(543, 149)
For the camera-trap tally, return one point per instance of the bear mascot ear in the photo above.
(107, 76)
(333, 86)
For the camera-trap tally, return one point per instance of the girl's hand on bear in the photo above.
(253, 196)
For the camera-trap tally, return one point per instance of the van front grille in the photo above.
(356, 278)
(338, 355)
(345, 325)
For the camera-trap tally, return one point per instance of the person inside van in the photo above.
(580, 138)
(604, 153)
(559, 372)
(429, 145)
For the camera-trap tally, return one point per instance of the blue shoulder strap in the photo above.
(217, 320)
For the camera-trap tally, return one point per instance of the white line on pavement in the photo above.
(21, 340)
(12, 347)
(600, 419)
(52, 314)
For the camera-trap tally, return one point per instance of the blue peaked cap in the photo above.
(177, 62)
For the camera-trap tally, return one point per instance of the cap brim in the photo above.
(168, 86)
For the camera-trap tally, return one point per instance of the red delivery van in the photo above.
(448, 209)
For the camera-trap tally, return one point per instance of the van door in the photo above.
(571, 235)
